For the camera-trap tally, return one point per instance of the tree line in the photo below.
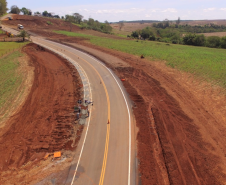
(176, 37)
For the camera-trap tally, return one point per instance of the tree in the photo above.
(3, 7)
(24, 11)
(45, 13)
(62, 17)
(121, 24)
(70, 19)
(135, 34)
(178, 21)
(23, 34)
(78, 18)
(15, 9)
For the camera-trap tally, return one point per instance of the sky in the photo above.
(119, 10)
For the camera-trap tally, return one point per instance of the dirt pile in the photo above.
(45, 123)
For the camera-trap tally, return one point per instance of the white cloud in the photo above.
(224, 9)
(172, 10)
(209, 9)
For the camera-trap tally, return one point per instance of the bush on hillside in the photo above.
(213, 42)
(199, 40)
(223, 42)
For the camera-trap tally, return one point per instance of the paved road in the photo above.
(106, 157)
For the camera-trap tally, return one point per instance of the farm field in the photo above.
(219, 34)
(208, 63)
(129, 27)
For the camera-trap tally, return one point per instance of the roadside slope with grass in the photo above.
(14, 74)
(208, 63)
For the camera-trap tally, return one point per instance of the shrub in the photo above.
(49, 23)
(199, 40)
(152, 37)
(135, 34)
(213, 42)
(223, 42)
(189, 39)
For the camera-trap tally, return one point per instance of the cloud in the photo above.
(209, 9)
(172, 10)
(224, 9)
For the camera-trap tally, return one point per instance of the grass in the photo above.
(209, 63)
(49, 22)
(6, 47)
(74, 34)
(10, 80)
(1, 32)
(79, 25)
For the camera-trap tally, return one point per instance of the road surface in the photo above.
(104, 155)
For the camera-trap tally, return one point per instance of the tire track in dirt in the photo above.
(44, 124)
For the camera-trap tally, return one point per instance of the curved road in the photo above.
(104, 155)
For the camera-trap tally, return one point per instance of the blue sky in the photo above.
(130, 10)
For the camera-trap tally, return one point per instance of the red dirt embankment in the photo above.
(44, 124)
(34, 22)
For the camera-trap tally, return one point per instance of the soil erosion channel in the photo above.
(45, 122)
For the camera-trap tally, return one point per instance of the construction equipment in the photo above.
(9, 34)
(20, 26)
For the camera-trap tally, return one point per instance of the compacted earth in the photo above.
(180, 119)
(45, 123)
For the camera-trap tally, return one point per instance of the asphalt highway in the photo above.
(106, 153)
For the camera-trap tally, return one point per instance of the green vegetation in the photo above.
(74, 34)
(23, 34)
(49, 23)
(10, 80)
(7, 47)
(205, 62)
(3, 7)
(173, 35)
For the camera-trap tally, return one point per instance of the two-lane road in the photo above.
(105, 154)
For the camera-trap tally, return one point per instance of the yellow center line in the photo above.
(108, 122)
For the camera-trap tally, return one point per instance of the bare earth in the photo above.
(44, 124)
(181, 119)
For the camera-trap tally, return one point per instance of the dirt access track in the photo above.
(45, 123)
(181, 120)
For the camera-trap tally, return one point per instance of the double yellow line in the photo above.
(107, 123)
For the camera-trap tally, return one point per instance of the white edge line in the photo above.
(89, 115)
(123, 97)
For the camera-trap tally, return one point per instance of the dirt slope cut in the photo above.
(34, 22)
(45, 122)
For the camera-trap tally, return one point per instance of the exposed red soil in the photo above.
(45, 123)
(32, 22)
